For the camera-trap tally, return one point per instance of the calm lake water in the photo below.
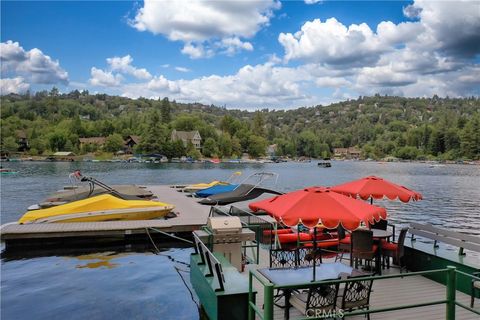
(143, 285)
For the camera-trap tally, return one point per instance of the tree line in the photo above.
(380, 126)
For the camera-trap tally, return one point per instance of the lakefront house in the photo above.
(188, 136)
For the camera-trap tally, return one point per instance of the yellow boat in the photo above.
(104, 207)
(200, 186)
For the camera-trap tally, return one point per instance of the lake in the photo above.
(144, 285)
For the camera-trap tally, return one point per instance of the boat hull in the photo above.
(100, 208)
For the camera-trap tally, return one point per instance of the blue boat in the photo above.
(215, 190)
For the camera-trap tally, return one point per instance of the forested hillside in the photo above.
(407, 128)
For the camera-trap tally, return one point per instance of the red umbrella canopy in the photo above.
(376, 188)
(315, 205)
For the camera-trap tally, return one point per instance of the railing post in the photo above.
(251, 311)
(268, 302)
(451, 292)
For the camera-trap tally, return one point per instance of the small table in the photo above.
(381, 234)
(290, 276)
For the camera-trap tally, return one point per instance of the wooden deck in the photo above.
(190, 216)
(390, 293)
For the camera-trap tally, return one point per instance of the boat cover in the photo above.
(241, 193)
(215, 190)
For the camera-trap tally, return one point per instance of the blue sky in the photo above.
(242, 54)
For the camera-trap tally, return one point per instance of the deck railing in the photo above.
(214, 267)
(450, 296)
(453, 238)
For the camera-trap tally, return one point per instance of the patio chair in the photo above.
(475, 287)
(317, 301)
(380, 225)
(395, 250)
(362, 246)
(306, 254)
(356, 295)
(344, 241)
(283, 258)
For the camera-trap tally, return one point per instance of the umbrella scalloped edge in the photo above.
(332, 224)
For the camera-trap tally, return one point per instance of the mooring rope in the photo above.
(170, 235)
(158, 252)
(153, 242)
(186, 285)
(177, 269)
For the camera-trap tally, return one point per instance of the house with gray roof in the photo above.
(188, 136)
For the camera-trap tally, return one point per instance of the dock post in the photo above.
(451, 292)
(268, 302)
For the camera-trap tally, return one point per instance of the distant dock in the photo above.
(190, 216)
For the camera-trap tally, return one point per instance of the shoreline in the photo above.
(239, 161)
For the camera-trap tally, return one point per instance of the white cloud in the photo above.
(435, 54)
(117, 66)
(251, 86)
(33, 65)
(384, 76)
(452, 26)
(196, 51)
(331, 42)
(124, 65)
(104, 78)
(13, 85)
(313, 1)
(233, 45)
(206, 23)
(332, 82)
(182, 69)
(411, 11)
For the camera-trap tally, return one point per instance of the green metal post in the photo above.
(268, 302)
(251, 312)
(451, 292)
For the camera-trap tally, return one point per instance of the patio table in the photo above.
(290, 276)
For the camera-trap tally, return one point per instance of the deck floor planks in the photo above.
(190, 216)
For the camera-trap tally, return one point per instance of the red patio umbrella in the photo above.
(377, 188)
(314, 205)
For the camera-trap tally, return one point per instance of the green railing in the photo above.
(450, 298)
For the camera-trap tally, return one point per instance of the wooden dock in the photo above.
(190, 216)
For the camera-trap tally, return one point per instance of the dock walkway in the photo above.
(388, 293)
(190, 216)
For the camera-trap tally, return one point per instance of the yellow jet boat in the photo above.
(104, 207)
(192, 188)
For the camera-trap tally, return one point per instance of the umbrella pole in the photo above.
(314, 251)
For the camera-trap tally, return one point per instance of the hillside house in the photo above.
(130, 142)
(347, 153)
(188, 136)
(22, 141)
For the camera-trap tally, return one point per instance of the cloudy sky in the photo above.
(243, 54)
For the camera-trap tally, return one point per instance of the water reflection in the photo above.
(99, 260)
